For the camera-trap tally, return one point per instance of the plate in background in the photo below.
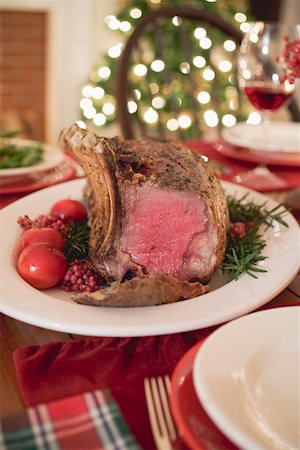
(52, 156)
(283, 137)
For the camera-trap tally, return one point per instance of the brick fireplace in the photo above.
(23, 58)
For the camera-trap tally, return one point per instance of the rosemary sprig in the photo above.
(244, 210)
(77, 240)
(244, 251)
(243, 254)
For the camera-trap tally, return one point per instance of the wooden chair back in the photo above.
(154, 27)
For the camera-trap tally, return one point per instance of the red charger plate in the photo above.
(198, 431)
(258, 156)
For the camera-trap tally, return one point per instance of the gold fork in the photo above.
(157, 391)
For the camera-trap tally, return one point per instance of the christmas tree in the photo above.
(215, 63)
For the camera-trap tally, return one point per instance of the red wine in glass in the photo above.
(266, 96)
(263, 76)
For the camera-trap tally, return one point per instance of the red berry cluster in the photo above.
(291, 58)
(80, 277)
(240, 229)
(42, 221)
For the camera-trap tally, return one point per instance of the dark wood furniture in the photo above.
(153, 27)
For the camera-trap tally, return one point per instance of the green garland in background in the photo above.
(213, 57)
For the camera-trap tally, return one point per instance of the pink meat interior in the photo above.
(160, 226)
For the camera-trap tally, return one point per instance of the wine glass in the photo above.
(267, 79)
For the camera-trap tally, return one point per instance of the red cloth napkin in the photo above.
(55, 370)
(59, 369)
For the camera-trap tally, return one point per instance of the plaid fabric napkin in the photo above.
(91, 421)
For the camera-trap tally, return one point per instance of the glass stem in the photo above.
(265, 123)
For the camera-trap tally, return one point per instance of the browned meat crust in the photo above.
(142, 291)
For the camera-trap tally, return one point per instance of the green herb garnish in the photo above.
(241, 211)
(244, 251)
(243, 254)
(77, 240)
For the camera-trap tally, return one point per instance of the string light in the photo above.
(135, 13)
(87, 91)
(203, 97)
(125, 26)
(104, 72)
(108, 108)
(98, 93)
(140, 70)
(112, 22)
(85, 103)
(184, 121)
(240, 17)
(99, 119)
(115, 51)
(229, 120)
(81, 124)
(200, 33)
(199, 61)
(211, 118)
(151, 116)
(245, 27)
(172, 125)
(225, 66)
(89, 112)
(157, 65)
(229, 45)
(208, 74)
(176, 21)
(205, 43)
(132, 107)
(158, 102)
(185, 67)
(254, 118)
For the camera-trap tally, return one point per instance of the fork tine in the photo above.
(157, 399)
(164, 392)
(158, 406)
(156, 431)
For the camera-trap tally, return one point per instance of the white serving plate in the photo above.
(54, 310)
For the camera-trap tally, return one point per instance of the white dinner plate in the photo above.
(54, 310)
(52, 156)
(247, 377)
(282, 136)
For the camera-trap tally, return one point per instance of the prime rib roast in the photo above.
(157, 212)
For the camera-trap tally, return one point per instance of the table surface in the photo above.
(15, 334)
